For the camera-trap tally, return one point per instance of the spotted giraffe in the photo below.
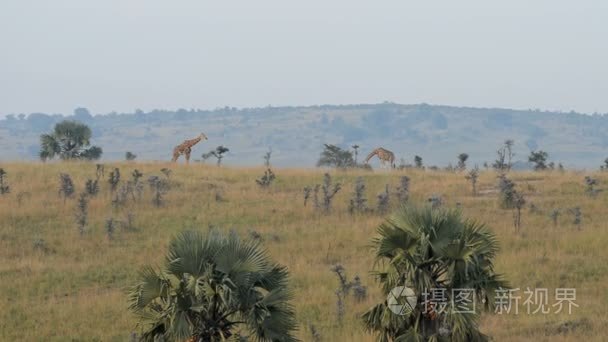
(384, 155)
(185, 148)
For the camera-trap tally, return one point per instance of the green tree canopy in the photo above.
(69, 140)
(214, 288)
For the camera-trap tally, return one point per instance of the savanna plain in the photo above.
(58, 284)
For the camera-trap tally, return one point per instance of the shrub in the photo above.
(82, 213)
(4, 187)
(66, 186)
(329, 191)
(472, 177)
(114, 179)
(506, 188)
(383, 201)
(91, 187)
(358, 200)
(129, 156)
(266, 180)
(403, 190)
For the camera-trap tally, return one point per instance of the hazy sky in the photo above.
(125, 54)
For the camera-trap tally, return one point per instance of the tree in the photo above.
(539, 158)
(462, 160)
(214, 288)
(356, 153)
(472, 177)
(130, 156)
(433, 249)
(505, 156)
(418, 162)
(217, 153)
(335, 156)
(605, 166)
(69, 140)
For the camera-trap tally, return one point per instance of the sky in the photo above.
(122, 55)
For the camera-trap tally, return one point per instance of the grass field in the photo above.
(72, 287)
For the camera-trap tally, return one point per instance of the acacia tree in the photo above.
(218, 153)
(335, 156)
(425, 249)
(462, 161)
(214, 288)
(69, 140)
(539, 158)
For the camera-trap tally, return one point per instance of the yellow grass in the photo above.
(77, 291)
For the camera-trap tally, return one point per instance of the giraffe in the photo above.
(384, 155)
(185, 148)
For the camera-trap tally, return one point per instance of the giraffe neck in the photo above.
(193, 142)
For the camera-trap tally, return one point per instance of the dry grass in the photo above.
(76, 291)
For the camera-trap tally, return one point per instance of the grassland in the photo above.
(75, 290)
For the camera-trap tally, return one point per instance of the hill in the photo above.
(58, 284)
(296, 134)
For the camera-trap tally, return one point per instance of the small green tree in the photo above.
(69, 140)
(539, 158)
(129, 156)
(214, 288)
(462, 161)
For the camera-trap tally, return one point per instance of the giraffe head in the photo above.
(203, 136)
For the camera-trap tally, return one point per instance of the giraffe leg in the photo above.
(175, 156)
(187, 155)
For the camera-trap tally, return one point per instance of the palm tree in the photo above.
(214, 288)
(425, 249)
(69, 140)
